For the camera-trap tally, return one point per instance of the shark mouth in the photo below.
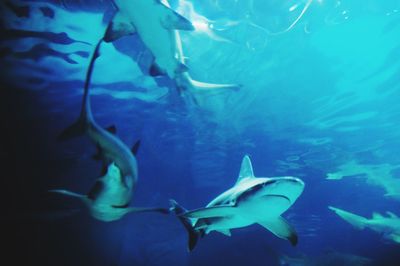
(278, 196)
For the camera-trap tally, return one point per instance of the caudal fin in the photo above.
(192, 233)
(357, 221)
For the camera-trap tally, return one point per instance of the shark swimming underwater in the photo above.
(157, 26)
(109, 198)
(388, 226)
(251, 200)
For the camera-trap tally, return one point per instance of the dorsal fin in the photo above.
(112, 129)
(171, 20)
(246, 169)
(376, 215)
(113, 170)
(135, 147)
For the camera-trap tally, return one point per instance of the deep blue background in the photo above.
(313, 99)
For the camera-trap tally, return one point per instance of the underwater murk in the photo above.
(188, 132)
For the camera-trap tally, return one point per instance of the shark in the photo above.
(252, 200)
(388, 226)
(158, 27)
(110, 197)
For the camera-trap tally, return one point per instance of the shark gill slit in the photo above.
(278, 196)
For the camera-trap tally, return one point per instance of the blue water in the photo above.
(319, 100)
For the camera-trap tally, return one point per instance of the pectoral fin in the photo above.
(135, 147)
(215, 211)
(281, 228)
(395, 237)
(199, 86)
(226, 232)
(67, 193)
(173, 21)
(155, 70)
(119, 27)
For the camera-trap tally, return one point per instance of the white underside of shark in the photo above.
(252, 200)
(107, 199)
(157, 26)
(388, 226)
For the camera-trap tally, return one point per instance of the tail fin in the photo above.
(193, 234)
(357, 221)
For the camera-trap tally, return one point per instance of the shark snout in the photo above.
(290, 187)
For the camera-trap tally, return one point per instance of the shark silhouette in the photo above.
(388, 226)
(158, 27)
(251, 200)
(109, 198)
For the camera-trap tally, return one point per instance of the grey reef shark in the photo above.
(252, 200)
(158, 27)
(109, 198)
(388, 226)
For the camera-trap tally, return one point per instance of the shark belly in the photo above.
(263, 207)
(106, 213)
(110, 202)
(223, 223)
(114, 193)
(113, 150)
(159, 40)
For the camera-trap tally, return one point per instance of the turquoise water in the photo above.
(319, 101)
